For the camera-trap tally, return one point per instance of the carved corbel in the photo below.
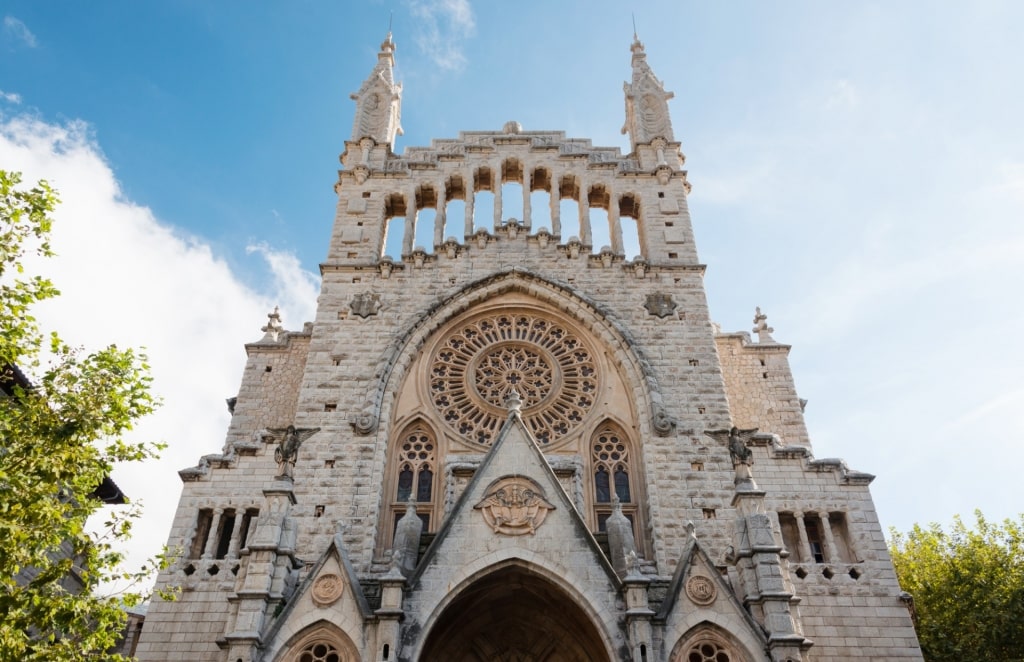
(574, 246)
(543, 237)
(364, 422)
(512, 228)
(640, 267)
(419, 256)
(482, 237)
(386, 266)
(662, 423)
(451, 248)
(361, 173)
(663, 173)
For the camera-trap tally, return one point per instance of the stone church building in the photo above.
(516, 442)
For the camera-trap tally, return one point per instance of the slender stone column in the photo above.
(555, 200)
(441, 216)
(805, 545)
(586, 236)
(496, 185)
(236, 531)
(527, 209)
(615, 226)
(409, 234)
(832, 554)
(470, 198)
(211, 539)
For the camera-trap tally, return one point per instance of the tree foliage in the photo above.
(968, 588)
(60, 436)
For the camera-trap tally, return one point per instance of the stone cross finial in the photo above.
(761, 328)
(514, 402)
(273, 327)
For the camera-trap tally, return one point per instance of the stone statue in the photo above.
(736, 439)
(288, 450)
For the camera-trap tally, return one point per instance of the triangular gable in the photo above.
(330, 592)
(514, 453)
(698, 593)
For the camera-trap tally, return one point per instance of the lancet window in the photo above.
(415, 475)
(611, 467)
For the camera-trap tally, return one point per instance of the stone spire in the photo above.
(379, 101)
(647, 115)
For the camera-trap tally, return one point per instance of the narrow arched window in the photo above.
(413, 474)
(612, 472)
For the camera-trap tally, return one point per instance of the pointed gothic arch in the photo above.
(320, 642)
(511, 609)
(708, 642)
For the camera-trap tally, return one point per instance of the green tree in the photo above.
(60, 436)
(968, 588)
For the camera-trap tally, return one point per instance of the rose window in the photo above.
(319, 653)
(479, 365)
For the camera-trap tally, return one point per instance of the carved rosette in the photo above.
(701, 589)
(514, 506)
(478, 365)
(327, 589)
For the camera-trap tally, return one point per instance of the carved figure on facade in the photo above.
(287, 450)
(736, 440)
(660, 304)
(514, 506)
(365, 304)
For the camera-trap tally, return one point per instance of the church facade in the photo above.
(516, 444)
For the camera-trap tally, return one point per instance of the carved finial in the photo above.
(647, 115)
(761, 328)
(514, 402)
(273, 327)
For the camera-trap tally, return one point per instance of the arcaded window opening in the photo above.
(540, 201)
(599, 205)
(483, 199)
(426, 217)
(455, 208)
(569, 209)
(392, 241)
(629, 226)
(512, 192)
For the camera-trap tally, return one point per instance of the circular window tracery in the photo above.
(478, 365)
(708, 651)
(319, 652)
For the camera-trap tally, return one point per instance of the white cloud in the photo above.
(10, 97)
(129, 279)
(18, 31)
(442, 26)
(295, 289)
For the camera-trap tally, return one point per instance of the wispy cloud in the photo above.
(295, 289)
(10, 97)
(125, 277)
(15, 29)
(443, 26)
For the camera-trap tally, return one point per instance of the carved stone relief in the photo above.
(701, 589)
(327, 589)
(514, 506)
(659, 304)
(365, 304)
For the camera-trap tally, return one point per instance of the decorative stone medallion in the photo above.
(514, 506)
(480, 363)
(661, 305)
(327, 589)
(701, 589)
(365, 304)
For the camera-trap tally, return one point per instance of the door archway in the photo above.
(513, 615)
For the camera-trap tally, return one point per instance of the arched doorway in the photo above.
(512, 615)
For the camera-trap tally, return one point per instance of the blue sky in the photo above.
(858, 172)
